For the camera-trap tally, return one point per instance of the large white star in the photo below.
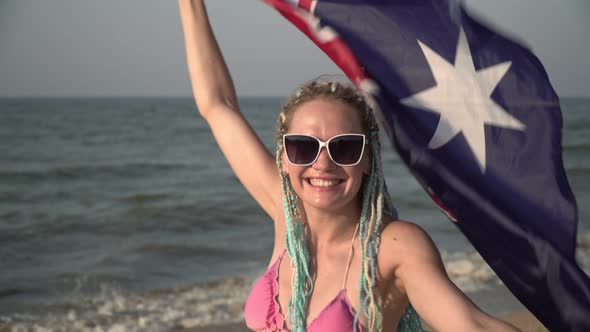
(462, 98)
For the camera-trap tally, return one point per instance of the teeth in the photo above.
(323, 183)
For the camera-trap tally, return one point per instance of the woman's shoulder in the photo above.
(404, 234)
(404, 242)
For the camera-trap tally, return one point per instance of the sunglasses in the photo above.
(344, 150)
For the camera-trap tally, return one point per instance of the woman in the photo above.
(341, 260)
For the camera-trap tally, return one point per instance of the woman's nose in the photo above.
(324, 161)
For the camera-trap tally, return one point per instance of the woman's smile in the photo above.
(320, 184)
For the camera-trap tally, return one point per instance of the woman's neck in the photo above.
(326, 228)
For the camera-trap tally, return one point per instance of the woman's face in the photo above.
(323, 184)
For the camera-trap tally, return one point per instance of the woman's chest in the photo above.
(335, 283)
(330, 294)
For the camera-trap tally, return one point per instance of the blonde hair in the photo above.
(336, 91)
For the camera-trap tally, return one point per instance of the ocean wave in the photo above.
(577, 171)
(579, 149)
(7, 292)
(160, 310)
(128, 169)
(206, 304)
(142, 198)
(470, 272)
(175, 251)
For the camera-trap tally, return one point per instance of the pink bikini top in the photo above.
(262, 312)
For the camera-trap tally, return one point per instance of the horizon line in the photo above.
(170, 96)
(122, 96)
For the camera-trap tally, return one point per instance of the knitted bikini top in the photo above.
(262, 312)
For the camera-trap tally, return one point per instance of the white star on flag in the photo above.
(462, 98)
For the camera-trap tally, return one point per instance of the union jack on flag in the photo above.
(475, 118)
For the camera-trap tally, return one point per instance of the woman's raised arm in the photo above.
(216, 100)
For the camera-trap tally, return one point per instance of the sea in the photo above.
(121, 214)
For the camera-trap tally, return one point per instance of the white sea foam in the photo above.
(112, 311)
(212, 303)
(471, 273)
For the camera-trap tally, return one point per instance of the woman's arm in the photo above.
(216, 100)
(419, 272)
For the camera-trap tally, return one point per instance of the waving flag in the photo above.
(474, 117)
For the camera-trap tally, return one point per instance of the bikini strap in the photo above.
(277, 263)
(350, 255)
(282, 255)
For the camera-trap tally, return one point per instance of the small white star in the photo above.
(462, 98)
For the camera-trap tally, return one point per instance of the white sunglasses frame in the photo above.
(325, 145)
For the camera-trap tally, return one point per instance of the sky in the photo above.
(135, 47)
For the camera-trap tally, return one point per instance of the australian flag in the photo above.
(474, 117)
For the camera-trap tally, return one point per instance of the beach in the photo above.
(497, 302)
(510, 311)
(121, 214)
(218, 305)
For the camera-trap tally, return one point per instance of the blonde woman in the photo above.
(341, 259)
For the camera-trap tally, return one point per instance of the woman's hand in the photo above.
(413, 261)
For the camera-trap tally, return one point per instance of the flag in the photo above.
(474, 117)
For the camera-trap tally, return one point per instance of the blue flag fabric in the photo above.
(474, 117)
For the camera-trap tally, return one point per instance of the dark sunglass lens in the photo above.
(346, 150)
(301, 149)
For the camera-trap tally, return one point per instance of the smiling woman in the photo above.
(341, 259)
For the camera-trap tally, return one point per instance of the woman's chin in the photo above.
(327, 200)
